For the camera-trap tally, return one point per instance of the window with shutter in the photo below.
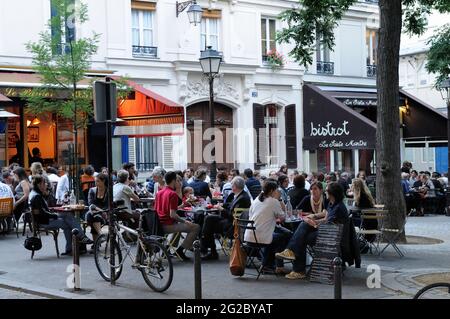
(291, 136)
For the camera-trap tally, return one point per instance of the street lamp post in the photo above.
(210, 62)
(444, 87)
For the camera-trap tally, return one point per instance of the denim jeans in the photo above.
(303, 236)
(280, 239)
(66, 222)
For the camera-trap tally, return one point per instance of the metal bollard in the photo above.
(337, 264)
(197, 270)
(76, 259)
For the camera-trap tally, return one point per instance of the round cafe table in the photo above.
(76, 210)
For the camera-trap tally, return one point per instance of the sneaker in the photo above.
(295, 275)
(281, 271)
(286, 254)
(86, 240)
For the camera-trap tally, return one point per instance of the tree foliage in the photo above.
(62, 62)
(312, 17)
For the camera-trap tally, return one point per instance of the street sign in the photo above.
(100, 97)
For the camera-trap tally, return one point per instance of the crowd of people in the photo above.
(269, 199)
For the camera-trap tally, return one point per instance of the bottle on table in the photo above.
(288, 208)
(73, 199)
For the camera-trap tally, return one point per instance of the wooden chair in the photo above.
(37, 230)
(6, 210)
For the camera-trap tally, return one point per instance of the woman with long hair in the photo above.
(315, 202)
(363, 200)
(22, 192)
(98, 201)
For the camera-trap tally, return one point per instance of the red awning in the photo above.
(149, 114)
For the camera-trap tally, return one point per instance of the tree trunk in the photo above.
(388, 181)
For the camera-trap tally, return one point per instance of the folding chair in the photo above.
(371, 214)
(226, 243)
(253, 249)
(37, 230)
(173, 241)
(391, 235)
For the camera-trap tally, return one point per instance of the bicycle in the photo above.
(151, 259)
(440, 290)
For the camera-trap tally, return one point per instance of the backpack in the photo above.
(151, 224)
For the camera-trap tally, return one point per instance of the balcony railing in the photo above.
(144, 167)
(371, 70)
(147, 52)
(325, 67)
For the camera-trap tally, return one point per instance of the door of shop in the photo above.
(197, 118)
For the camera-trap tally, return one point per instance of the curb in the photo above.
(404, 282)
(37, 291)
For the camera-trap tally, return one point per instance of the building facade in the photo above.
(145, 41)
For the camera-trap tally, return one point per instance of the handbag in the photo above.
(33, 243)
(238, 257)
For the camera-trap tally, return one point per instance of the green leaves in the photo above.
(63, 64)
(439, 54)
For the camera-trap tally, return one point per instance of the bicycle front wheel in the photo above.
(156, 266)
(434, 291)
(102, 256)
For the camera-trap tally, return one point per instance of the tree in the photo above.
(319, 17)
(62, 61)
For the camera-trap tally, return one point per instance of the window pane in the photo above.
(272, 45)
(213, 27)
(147, 20)
(203, 41)
(214, 42)
(264, 47)
(263, 29)
(148, 38)
(272, 30)
(135, 18)
(136, 37)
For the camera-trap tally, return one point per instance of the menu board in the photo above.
(327, 247)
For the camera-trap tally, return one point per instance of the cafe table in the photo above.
(76, 210)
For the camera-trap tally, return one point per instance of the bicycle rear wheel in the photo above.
(156, 266)
(102, 257)
(439, 290)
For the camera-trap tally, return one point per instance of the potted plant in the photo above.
(275, 59)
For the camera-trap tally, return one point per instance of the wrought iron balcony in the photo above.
(325, 67)
(144, 167)
(371, 70)
(147, 52)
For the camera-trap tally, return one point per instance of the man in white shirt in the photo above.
(62, 188)
(121, 191)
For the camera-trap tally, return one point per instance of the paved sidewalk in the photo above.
(20, 271)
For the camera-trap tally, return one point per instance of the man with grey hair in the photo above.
(343, 181)
(123, 192)
(223, 223)
(158, 178)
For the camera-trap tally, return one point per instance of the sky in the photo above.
(435, 21)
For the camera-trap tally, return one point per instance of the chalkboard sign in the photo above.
(327, 247)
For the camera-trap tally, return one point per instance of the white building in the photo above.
(145, 41)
